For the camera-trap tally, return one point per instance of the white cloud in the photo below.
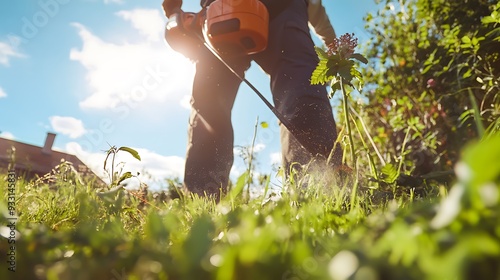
(259, 147)
(8, 50)
(156, 166)
(275, 158)
(236, 171)
(113, 1)
(186, 102)
(2, 93)
(131, 73)
(68, 126)
(7, 135)
(149, 23)
(93, 160)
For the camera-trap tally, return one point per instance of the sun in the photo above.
(181, 70)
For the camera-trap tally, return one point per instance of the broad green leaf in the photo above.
(475, 41)
(493, 18)
(335, 83)
(110, 193)
(356, 74)
(124, 176)
(199, 241)
(427, 68)
(131, 151)
(467, 74)
(360, 58)
(331, 73)
(332, 69)
(319, 75)
(483, 159)
(466, 40)
(477, 115)
(480, 243)
(389, 173)
(240, 184)
(321, 53)
(154, 229)
(345, 72)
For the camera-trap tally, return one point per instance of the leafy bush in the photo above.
(430, 62)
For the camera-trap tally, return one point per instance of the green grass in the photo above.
(69, 232)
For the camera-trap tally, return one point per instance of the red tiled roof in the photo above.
(32, 159)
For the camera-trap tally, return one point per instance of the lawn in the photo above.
(69, 229)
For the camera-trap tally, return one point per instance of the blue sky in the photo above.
(98, 72)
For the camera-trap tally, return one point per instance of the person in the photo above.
(289, 59)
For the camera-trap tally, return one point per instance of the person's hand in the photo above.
(171, 6)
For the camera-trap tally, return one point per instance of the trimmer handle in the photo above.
(183, 32)
(187, 22)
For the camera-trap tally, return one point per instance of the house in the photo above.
(33, 161)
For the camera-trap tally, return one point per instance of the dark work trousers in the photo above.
(289, 60)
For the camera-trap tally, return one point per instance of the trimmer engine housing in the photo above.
(237, 27)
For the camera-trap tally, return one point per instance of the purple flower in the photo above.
(431, 83)
(343, 46)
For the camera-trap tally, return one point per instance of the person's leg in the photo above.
(210, 148)
(290, 60)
